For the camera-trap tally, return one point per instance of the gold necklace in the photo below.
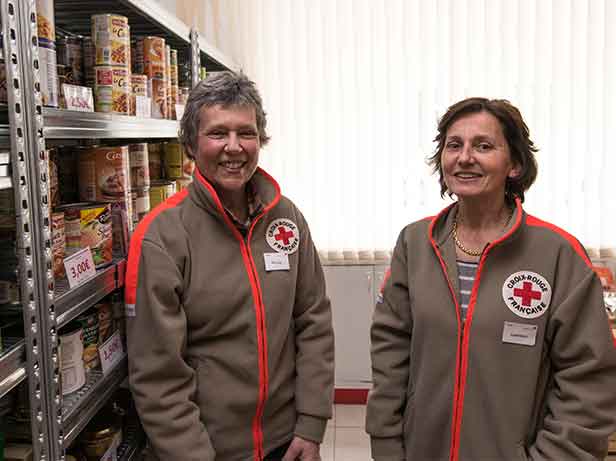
(461, 246)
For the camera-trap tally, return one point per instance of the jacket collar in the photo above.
(441, 226)
(206, 197)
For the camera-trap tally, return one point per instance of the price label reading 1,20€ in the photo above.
(111, 352)
(79, 267)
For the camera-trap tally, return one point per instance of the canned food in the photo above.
(54, 192)
(112, 90)
(170, 107)
(183, 96)
(105, 320)
(155, 156)
(141, 203)
(58, 244)
(182, 183)
(89, 323)
(111, 38)
(103, 173)
(122, 226)
(89, 225)
(89, 62)
(139, 168)
(159, 97)
(160, 191)
(174, 67)
(150, 57)
(46, 30)
(70, 54)
(64, 160)
(97, 443)
(177, 163)
(139, 87)
(72, 370)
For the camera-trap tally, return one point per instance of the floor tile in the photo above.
(352, 444)
(350, 416)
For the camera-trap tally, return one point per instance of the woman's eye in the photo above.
(248, 134)
(484, 147)
(452, 145)
(216, 134)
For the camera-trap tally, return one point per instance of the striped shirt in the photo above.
(466, 277)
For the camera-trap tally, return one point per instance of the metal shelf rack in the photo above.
(25, 126)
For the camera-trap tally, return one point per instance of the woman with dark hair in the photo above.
(491, 339)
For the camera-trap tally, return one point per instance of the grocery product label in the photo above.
(79, 267)
(111, 352)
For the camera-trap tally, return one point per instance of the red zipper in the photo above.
(249, 263)
(462, 352)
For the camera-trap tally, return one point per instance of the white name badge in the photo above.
(111, 352)
(519, 333)
(276, 261)
(79, 267)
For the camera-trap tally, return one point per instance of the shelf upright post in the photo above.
(24, 181)
(40, 227)
(195, 57)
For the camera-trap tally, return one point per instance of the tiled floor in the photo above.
(345, 438)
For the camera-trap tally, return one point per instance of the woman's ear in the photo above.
(515, 171)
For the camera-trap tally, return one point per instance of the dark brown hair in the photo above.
(515, 131)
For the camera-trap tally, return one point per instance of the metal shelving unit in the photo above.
(12, 365)
(79, 407)
(71, 303)
(25, 126)
(63, 124)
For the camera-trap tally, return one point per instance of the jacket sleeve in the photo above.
(162, 383)
(390, 351)
(580, 404)
(314, 338)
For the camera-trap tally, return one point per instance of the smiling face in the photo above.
(476, 160)
(228, 148)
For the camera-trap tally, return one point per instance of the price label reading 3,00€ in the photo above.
(79, 267)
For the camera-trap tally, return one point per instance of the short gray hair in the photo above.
(226, 89)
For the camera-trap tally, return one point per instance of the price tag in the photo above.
(111, 352)
(143, 107)
(79, 267)
(78, 98)
(179, 111)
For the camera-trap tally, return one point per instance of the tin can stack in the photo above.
(46, 30)
(112, 72)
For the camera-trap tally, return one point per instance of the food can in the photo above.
(170, 107)
(122, 226)
(160, 191)
(111, 38)
(112, 90)
(89, 225)
(141, 203)
(97, 443)
(105, 320)
(150, 59)
(139, 87)
(183, 96)
(58, 244)
(89, 62)
(70, 54)
(72, 369)
(89, 323)
(155, 160)
(174, 68)
(103, 174)
(46, 30)
(63, 159)
(159, 97)
(54, 191)
(177, 163)
(139, 168)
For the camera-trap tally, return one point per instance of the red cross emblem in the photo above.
(284, 235)
(526, 293)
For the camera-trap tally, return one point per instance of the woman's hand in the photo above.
(302, 450)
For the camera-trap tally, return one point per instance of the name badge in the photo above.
(276, 261)
(519, 333)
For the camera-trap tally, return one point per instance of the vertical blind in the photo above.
(354, 90)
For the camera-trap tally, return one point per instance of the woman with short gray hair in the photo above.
(231, 349)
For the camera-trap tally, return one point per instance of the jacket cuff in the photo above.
(310, 427)
(387, 449)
